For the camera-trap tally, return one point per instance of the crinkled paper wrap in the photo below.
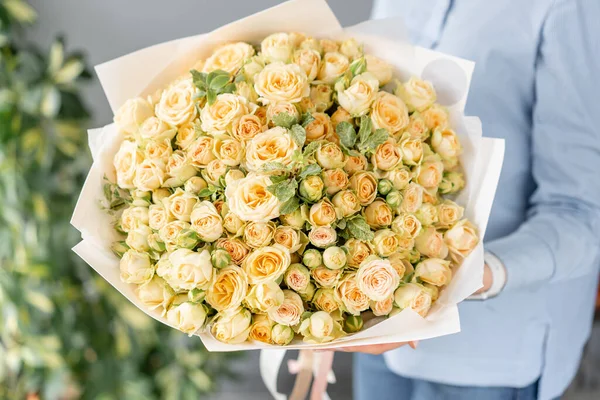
(144, 71)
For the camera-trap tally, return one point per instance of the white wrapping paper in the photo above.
(144, 71)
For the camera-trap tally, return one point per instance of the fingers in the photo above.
(376, 349)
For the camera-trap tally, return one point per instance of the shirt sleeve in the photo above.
(560, 238)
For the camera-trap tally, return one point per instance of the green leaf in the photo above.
(347, 134)
(290, 206)
(217, 79)
(284, 120)
(366, 127)
(311, 169)
(358, 66)
(278, 178)
(284, 190)
(239, 78)
(229, 88)
(206, 192)
(311, 148)
(359, 229)
(211, 96)
(298, 134)
(378, 137)
(307, 118)
(273, 166)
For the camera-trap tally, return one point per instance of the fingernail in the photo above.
(413, 344)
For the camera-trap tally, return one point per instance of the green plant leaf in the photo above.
(378, 137)
(298, 134)
(347, 134)
(290, 206)
(284, 190)
(273, 166)
(359, 229)
(284, 120)
(306, 119)
(366, 127)
(311, 148)
(311, 169)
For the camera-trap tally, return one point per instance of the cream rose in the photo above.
(259, 234)
(445, 142)
(214, 171)
(436, 117)
(378, 214)
(325, 277)
(228, 150)
(179, 169)
(272, 146)
(229, 57)
(329, 156)
(223, 114)
(406, 225)
(282, 334)
(206, 221)
(187, 317)
(247, 127)
(461, 239)
(155, 294)
(276, 108)
(434, 271)
(430, 173)
(412, 150)
(389, 112)
(448, 214)
(320, 327)
(332, 67)
(309, 60)
(277, 47)
(261, 328)
(232, 326)
(417, 94)
(359, 96)
(158, 216)
(401, 264)
(186, 135)
(355, 164)
(252, 67)
(290, 311)
(281, 82)
(237, 249)
(297, 278)
(155, 129)
(324, 300)
(233, 224)
(180, 204)
(133, 216)
(126, 161)
(265, 296)
(348, 293)
(414, 296)
(228, 289)
(266, 263)
(177, 105)
(136, 267)
(290, 238)
(250, 200)
(322, 236)
(132, 115)
(322, 97)
(322, 213)
(386, 242)
(341, 115)
(200, 151)
(377, 278)
(400, 177)
(431, 243)
(357, 252)
(159, 151)
(365, 185)
(412, 198)
(189, 270)
(170, 232)
(149, 175)
(379, 68)
(382, 307)
(387, 156)
(346, 203)
(417, 128)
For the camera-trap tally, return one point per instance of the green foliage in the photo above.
(212, 84)
(64, 332)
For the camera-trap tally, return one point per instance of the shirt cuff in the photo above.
(527, 258)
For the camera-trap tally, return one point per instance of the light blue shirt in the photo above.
(537, 85)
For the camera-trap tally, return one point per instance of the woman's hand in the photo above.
(377, 349)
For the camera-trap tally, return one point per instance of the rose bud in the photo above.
(384, 186)
(220, 258)
(353, 323)
(346, 203)
(356, 252)
(137, 238)
(445, 142)
(312, 258)
(431, 243)
(434, 271)
(232, 326)
(402, 264)
(334, 257)
(434, 291)
(308, 293)
(311, 188)
(196, 295)
(321, 96)
(159, 194)
(188, 239)
(322, 236)
(322, 213)
(448, 214)
(297, 277)
(319, 327)
(233, 224)
(187, 317)
(261, 328)
(383, 307)
(406, 225)
(194, 185)
(452, 182)
(394, 199)
(341, 115)
(282, 334)
(233, 175)
(330, 156)
(427, 214)
(264, 296)
(324, 300)
(414, 296)
(297, 218)
(140, 198)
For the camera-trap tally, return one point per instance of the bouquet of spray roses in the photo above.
(285, 190)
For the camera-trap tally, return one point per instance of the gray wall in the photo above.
(106, 29)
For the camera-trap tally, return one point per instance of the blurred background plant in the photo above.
(64, 332)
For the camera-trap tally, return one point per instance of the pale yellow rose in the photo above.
(412, 198)
(309, 60)
(290, 238)
(335, 180)
(223, 114)
(266, 263)
(282, 334)
(322, 236)
(133, 216)
(406, 225)
(358, 97)
(297, 218)
(281, 82)
(149, 175)
(250, 200)
(233, 224)
(430, 172)
(155, 294)
(206, 221)
(413, 296)
(187, 317)
(445, 143)
(400, 177)
(155, 129)
(436, 117)
(159, 151)
(322, 97)
(179, 169)
(412, 150)
(229, 150)
(322, 213)
(431, 243)
(341, 115)
(386, 242)
(264, 296)
(448, 214)
(126, 161)
(180, 204)
(355, 164)
(276, 108)
(328, 45)
(357, 252)
(401, 264)
(325, 300)
(389, 112)
(332, 67)
(200, 152)
(387, 156)
(246, 90)
(188, 270)
(195, 185)
(418, 94)
(329, 156)
(272, 146)
(232, 326)
(320, 327)
(461, 239)
(136, 267)
(434, 271)
(177, 104)
(334, 257)
(383, 307)
(261, 328)
(228, 289)
(290, 311)
(297, 278)
(131, 115)
(170, 232)
(247, 127)
(214, 171)
(417, 128)
(325, 277)
(347, 292)
(229, 57)
(252, 67)
(346, 203)
(351, 48)
(378, 214)
(381, 69)
(237, 249)
(259, 234)
(277, 47)
(365, 185)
